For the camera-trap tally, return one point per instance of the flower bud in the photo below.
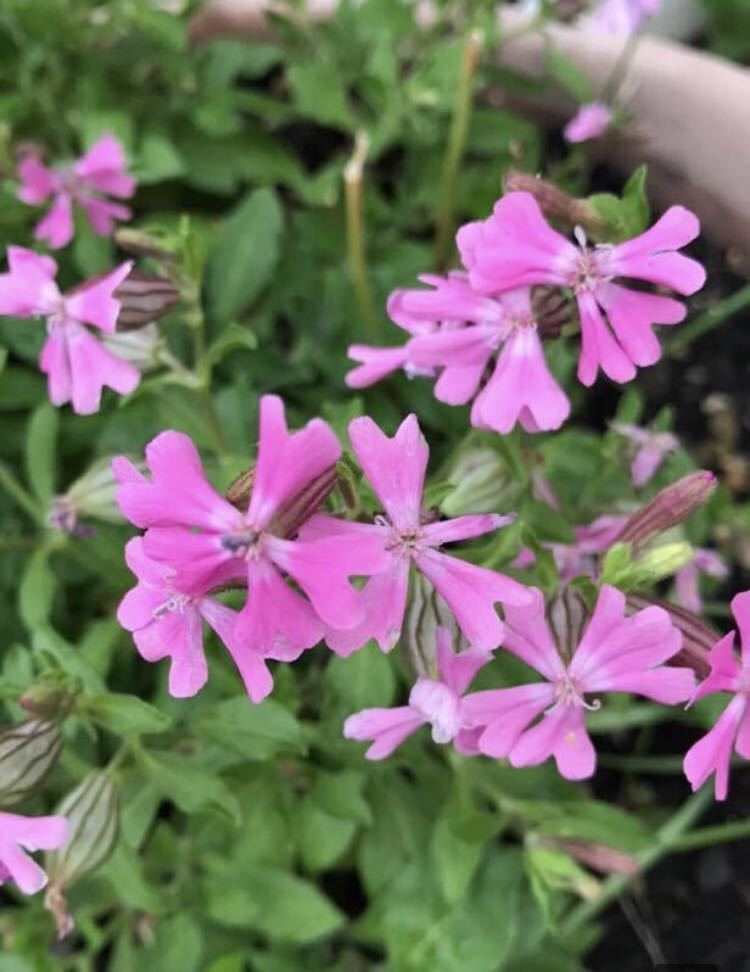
(142, 243)
(484, 483)
(567, 616)
(292, 514)
(598, 857)
(140, 347)
(698, 638)
(555, 203)
(47, 702)
(671, 506)
(144, 298)
(656, 563)
(92, 496)
(92, 812)
(552, 311)
(28, 752)
(426, 611)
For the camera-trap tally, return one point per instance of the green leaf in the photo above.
(244, 255)
(257, 732)
(322, 838)
(190, 786)
(626, 217)
(37, 590)
(320, 94)
(177, 945)
(275, 903)
(363, 680)
(41, 460)
(126, 715)
(340, 794)
(232, 338)
(456, 859)
(158, 159)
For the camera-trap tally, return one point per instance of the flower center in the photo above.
(569, 695)
(176, 602)
(244, 543)
(589, 269)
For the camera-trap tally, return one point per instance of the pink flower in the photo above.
(590, 121)
(435, 702)
(622, 16)
(529, 723)
(277, 620)
(687, 586)
(711, 754)
(21, 834)
(396, 469)
(166, 623)
(99, 173)
(76, 363)
(516, 247)
(458, 333)
(653, 447)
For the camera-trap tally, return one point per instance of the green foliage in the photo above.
(213, 835)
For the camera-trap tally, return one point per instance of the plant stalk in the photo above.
(355, 235)
(456, 145)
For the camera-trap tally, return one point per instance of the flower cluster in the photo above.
(296, 570)
(78, 362)
(484, 314)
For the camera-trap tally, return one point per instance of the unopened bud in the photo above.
(552, 311)
(144, 298)
(292, 514)
(555, 203)
(426, 611)
(47, 702)
(567, 616)
(140, 347)
(657, 563)
(142, 243)
(670, 507)
(92, 812)
(27, 754)
(698, 638)
(91, 496)
(483, 483)
(598, 857)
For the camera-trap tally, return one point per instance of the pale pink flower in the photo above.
(232, 545)
(19, 835)
(516, 247)
(590, 121)
(436, 702)
(101, 172)
(167, 623)
(622, 17)
(529, 723)
(687, 580)
(652, 449)
(457, 333)
(712, 753)
(396, 470)
(76, 363)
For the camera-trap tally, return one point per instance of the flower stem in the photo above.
(667, 839)
(456, 144)
(709, 319)
(16, 491)
(708, 836)
(355, 236)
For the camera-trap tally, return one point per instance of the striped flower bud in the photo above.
(670, 507)
(289, 517)
(483, 483)
(426, 611)
(698, 638)
(28, 752)
(92, 812)
(144, 298)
